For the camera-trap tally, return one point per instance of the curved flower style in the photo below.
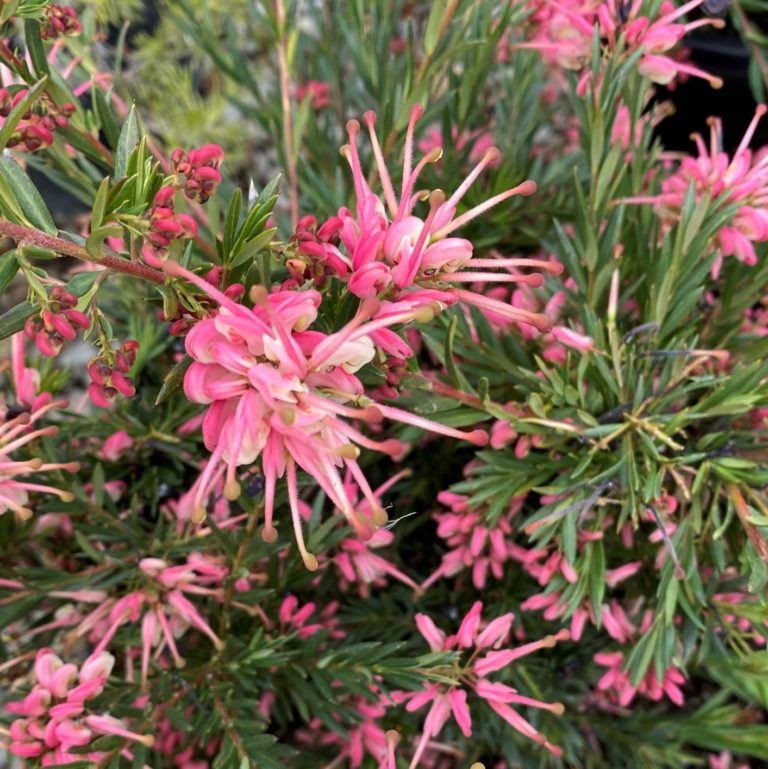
(485, 658)
(392, 252)
(55, 717)
(281, 392)
(18, 430)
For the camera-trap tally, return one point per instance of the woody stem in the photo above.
(67, 248)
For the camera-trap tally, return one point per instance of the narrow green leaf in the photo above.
(129, 138)
(9, 266)
(24, 105)
(173, 379)
(35, 47)
(14, 320)
(29, 199)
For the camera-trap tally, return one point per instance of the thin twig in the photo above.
(67, 248)
(285, 98)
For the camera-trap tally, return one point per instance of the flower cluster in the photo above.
(484, 657)
(109, 374)
(474, 543)
(59, 20)
(165, 224)
(280, 391)
(199, 169)
(741, 180)
(55, 717)
(389, 251)
(58, 322)
(19, 430)
(564, 32)
(34, 131)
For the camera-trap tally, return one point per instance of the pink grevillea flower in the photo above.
(280, 392)
(474, 543)
(390, 251)
(359, 565)
(616, 680)
(742, 180)
(55, 716)
(59, 20)
(26, 381)
(556, 599)
(563, 32)
(109, 374)
(58, 322)
(483, 657)
(181, 749)
(197, 172)
(164, 607)
(363, 738)
(294, 618)
(17, 432)
(355, 560)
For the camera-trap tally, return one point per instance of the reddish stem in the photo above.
(65, 247)
(285, 99)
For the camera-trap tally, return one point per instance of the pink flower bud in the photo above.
(26, 749)
(70, 708)
(63, 327)
(123, 384)
(101, 396)
(73, 734)
(208, 154)
(164, 196)
(78, 318)
(116, 445)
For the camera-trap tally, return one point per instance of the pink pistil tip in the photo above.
(371, 414)
(369, 118)
(353, 128)
(556, 268)
(269, 534)
(528, 187)
(416, 112)
(478, 437)
(392, 446)
(539, 321)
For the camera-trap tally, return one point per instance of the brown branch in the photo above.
(111, 261)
